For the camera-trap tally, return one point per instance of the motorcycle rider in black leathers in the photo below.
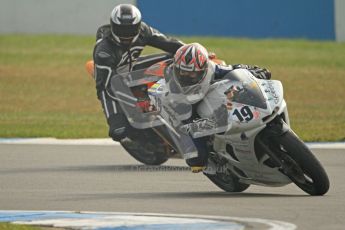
(118, 47)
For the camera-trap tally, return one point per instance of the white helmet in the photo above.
(191, 70)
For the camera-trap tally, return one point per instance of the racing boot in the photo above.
(198, 164)
(197, 169)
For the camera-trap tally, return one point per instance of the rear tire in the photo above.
(227, 182)
(150, 154)
(316, 181)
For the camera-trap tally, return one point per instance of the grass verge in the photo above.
(45, 91)
(7, 226)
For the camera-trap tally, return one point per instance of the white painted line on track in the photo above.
(326, 145)
(136, 221)
(54, 141)
(110, 142)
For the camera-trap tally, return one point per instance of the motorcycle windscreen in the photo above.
(245, 89)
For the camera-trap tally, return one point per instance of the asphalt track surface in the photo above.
(105, 178)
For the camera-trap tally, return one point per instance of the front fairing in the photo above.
(167, 112)
(252, 100)
(121, 85)
(265, 95)
(273, 92)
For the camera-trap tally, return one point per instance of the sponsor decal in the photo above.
(256, 114)
(155, 87)
(273, 92)
(199, 125)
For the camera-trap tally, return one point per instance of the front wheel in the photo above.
(149, 154)
(310, 176)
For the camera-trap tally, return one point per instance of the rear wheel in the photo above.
(149, 153)
(224, 178)
(301, 166)
(228, 182)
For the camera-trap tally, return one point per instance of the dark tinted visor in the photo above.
(125, 31)
(188, 78)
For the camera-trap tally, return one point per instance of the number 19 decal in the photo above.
(244, 114)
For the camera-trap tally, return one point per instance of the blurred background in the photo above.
(44, 44)
(311, 19)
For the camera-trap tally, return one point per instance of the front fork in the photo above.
(268, 141)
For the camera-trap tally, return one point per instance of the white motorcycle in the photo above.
(250, 142)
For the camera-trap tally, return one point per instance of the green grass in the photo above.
(7, 226)
(45, 90)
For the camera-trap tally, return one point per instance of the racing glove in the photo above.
(258, 72)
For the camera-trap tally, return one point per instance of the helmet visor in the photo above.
(188, 78)
(125, 31)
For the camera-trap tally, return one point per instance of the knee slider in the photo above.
(118, 126)
(118, 133)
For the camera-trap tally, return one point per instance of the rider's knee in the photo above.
(117, 134)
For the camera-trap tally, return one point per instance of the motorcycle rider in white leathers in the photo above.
(192, 73)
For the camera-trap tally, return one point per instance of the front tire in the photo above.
(314, 178)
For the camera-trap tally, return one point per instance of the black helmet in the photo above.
(125, 21)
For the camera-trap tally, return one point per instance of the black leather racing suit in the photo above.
(109, 57)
